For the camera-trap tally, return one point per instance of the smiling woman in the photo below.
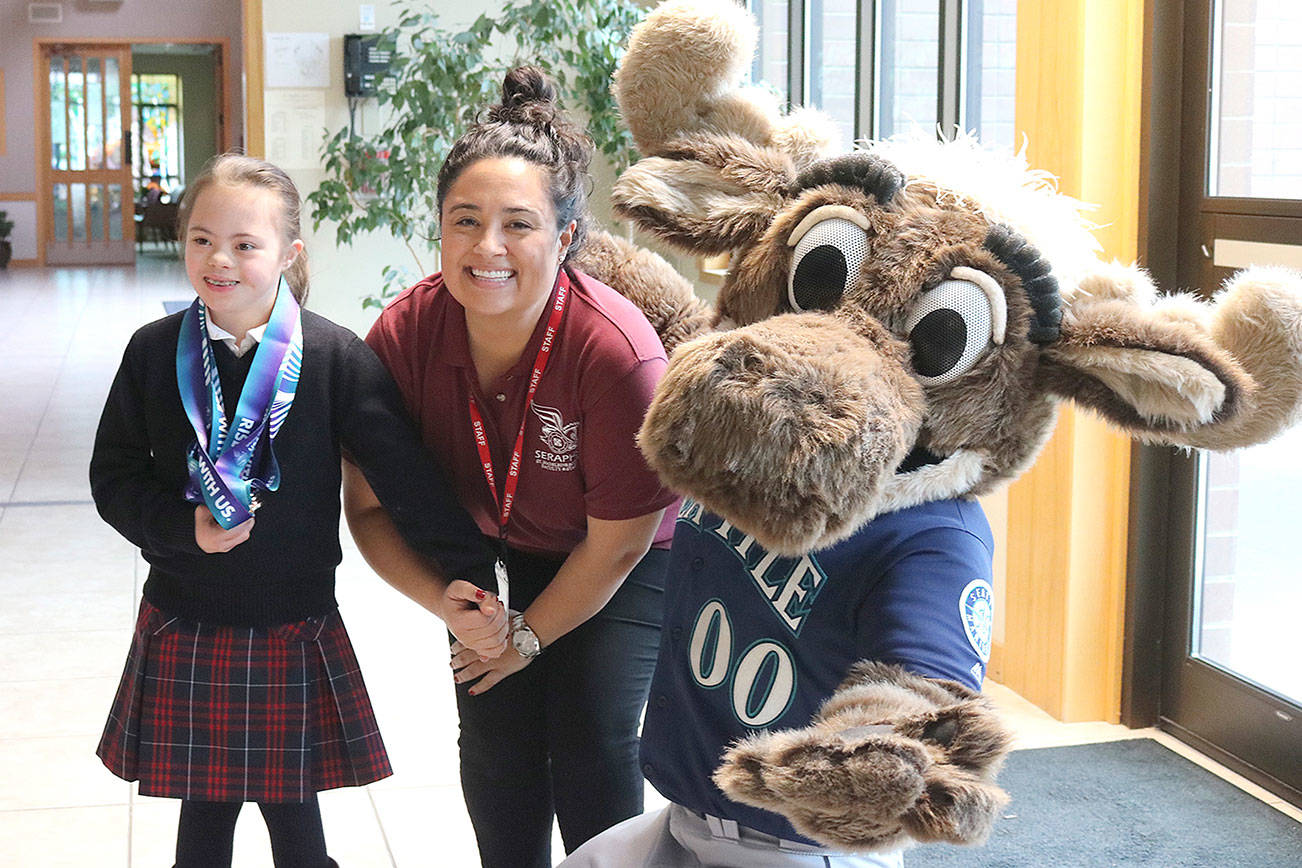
(529, 380)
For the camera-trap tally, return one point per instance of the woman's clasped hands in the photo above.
(480, 624)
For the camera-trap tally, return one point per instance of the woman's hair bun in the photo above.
(528, 97)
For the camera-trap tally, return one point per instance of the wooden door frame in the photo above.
(41, 101)
(1161, 556)
(254, 123)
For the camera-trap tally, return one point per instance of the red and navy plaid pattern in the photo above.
(234, 714)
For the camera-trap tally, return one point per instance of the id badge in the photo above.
(503, 585)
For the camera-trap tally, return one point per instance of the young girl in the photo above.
(218, 454)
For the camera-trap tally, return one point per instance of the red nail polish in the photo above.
(471, 692)
(480, 593)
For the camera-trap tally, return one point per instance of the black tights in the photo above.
(205, 836)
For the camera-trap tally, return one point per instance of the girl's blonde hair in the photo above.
(233, 170)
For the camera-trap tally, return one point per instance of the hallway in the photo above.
(69, 587)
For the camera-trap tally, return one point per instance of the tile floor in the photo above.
(69, 587)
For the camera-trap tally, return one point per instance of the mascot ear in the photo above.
(707, 193)
(1176, 370)
(718, 156)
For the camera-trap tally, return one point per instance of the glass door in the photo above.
(90, 216)
(1232, 679)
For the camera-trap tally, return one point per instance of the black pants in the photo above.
(205, 835)
(561, 736)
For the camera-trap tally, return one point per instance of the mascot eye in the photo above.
(826, 260)
(949, 329)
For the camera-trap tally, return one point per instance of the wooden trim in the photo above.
(254, 121)
(41, 103)
(1067, 517)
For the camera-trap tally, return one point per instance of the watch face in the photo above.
(525, 642)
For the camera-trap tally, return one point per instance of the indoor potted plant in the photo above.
(439, 82)
(6, 249)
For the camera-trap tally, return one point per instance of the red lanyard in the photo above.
(477, 419)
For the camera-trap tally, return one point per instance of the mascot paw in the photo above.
(892, 758)
(871, 779)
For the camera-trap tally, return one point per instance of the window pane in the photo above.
(113, 121)
(95, 193)
(1247, 594)
(908, 65)
(1256, 128)
(115, 212)
(991, 70)
(94, 115)
(78, 206)
(770, 64)
(60, 212)
(58, 114)
(76, 115)
(156, 117)
(833, 34)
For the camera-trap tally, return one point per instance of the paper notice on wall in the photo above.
(295, 127)
(297, 59)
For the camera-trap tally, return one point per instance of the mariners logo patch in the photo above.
(560, 440)
(976, 607)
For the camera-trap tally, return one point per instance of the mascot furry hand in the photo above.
(896, 330)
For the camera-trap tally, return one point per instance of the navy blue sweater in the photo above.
(285, 571)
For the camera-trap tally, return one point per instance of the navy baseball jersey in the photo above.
(753, 641)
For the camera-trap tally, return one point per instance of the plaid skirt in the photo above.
(236, 714)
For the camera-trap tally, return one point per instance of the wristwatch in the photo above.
(523, 639)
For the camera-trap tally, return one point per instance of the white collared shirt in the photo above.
(251, 337)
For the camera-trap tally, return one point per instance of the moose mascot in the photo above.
(897, 327)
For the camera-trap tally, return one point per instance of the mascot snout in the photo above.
(819, 411)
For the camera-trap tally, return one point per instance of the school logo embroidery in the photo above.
(560, 439)
(976, 606)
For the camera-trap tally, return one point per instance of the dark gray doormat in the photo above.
(1123, 804)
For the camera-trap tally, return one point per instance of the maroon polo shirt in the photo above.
(580, 457)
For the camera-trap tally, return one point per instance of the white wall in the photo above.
(343, 276)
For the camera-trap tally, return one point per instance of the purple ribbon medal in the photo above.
(231, 462)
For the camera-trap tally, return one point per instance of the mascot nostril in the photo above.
(828, 603)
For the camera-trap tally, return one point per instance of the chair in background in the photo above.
(157, 223)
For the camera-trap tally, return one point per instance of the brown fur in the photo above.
(889, 758)
(663, 295)
(771, 421)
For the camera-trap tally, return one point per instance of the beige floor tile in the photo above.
(51, 656)
(11, 464)
(1034, 727)
(153, 831)
(62, 772)
(426, 827)
(56, 476)
(65, 838)
(105, 572)
(67, 610)
(64, 707)
(353, 832)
